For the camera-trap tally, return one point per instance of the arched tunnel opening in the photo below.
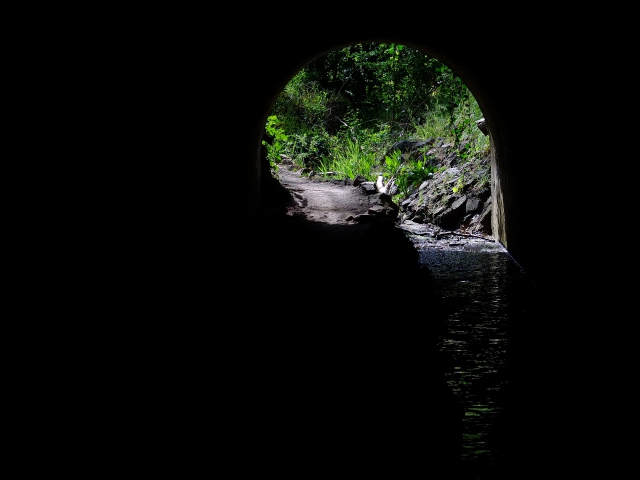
(460, 375)
(405, 113)
(362, 301)
(391, 115)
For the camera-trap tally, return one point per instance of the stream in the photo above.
(488, 344)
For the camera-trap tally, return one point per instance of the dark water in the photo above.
(490, 306)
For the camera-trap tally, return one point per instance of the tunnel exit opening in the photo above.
(394, 115)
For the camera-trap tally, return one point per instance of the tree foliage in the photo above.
(369, 96)
(387, 80)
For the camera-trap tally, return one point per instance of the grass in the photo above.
(357, 150)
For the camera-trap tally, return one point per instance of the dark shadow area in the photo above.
(391, 358)
(332, 255)
(497, 326)
(203, 313)
(354, 377)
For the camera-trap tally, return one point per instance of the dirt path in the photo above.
(340, 203)
(333, 203)
(315, 232)
(314, 237)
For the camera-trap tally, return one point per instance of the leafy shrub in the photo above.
(278, 139)
(342, 110)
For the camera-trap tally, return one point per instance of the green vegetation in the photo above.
(278, 137)
(343, 114)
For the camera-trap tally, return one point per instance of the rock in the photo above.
(435, 201)
(368, 187)
(482, 125)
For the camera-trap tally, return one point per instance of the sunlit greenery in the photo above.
(342, 114)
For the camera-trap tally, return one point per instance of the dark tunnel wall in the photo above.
(190, 92)
(191, 100)
(194, 99)
(505, 85)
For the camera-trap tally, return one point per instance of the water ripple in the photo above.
(485, 295)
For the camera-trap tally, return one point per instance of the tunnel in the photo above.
(495, 77)
(192, 234)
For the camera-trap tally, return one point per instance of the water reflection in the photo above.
(488, 302)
